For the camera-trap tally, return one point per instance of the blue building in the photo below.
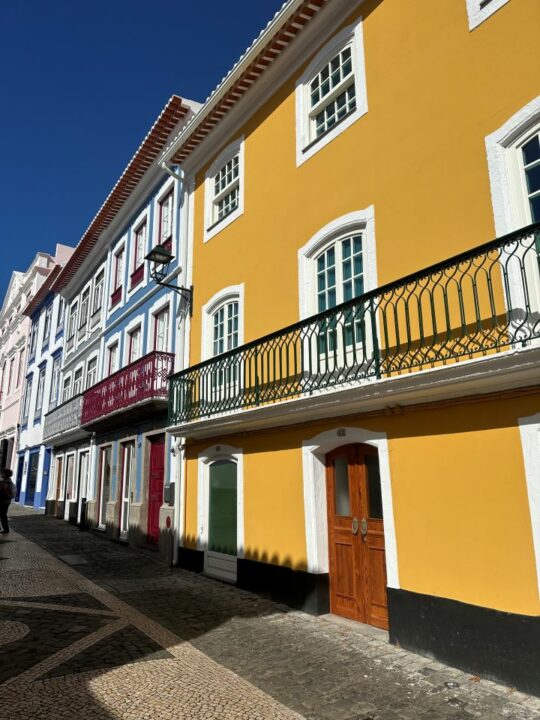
(113, 460)
(44, 352)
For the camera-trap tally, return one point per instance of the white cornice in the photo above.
(496, 373)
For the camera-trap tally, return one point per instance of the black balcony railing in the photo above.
(475, 304)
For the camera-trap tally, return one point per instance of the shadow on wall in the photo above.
(189, 606)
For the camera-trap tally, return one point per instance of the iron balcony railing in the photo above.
(143, 379)
(472, 305)
(63, 418)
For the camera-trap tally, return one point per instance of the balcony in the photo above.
(477, 305)
(137, 389)
(64, 422)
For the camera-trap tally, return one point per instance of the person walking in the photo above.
(7, 493)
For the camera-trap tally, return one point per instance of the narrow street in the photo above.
(91, 629)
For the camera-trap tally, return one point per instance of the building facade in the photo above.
(42, 386)
(15, 329)
(112, 458)
(359, 409)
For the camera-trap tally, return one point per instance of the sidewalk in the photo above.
(93, 629)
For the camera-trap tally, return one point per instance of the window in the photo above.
(224, 189)
(112, 359)
(225, 328)
(340, 272)
(20, 368)
(161, 331)
(118, 269)
(55, 381)
(85, 301)
(134, 348)
(165, 218)
(27, 395)
(77, 382)
(331, 94)
(91, 373)
(530, 161)
(480, 10)
(66, 389)
(33, 338)
(60, 313)
(40, 389)
(72, 323)
(11, 374)
(47, 325)
(97, 297)
(139, 248)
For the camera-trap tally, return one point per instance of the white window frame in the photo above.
(93, 309)
(47, 323)
(75, 315)
(89, 359)
(169, 187)
(79, 367)
(306, 145)
(212, 226)
(66, 380)
(163, 303)
(136, 322)
(232, 293)
(55, 380)
(480, 10)
(82, 320)
(27, 397)
(40, 390)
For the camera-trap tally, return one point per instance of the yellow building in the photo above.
(359, 407)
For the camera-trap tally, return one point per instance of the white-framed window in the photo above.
(529, 162)
(47, 325)
(480, 10)
(224, 189)
(20, 368)
(118, 275)
(66, 389)
(165, 230)
(60, 313)
(91, 372)
(139, 246)
(112, 358)
(78, 381)
(27, 396)
(72, 322)
(225, 328)
(97, 294)
(331, 93)
(85, 303)
(55, 381)
(33, 338)
(40, 390)
(161, 330)
(134, 344)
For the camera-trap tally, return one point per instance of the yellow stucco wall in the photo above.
(435, 90)
(461, 509)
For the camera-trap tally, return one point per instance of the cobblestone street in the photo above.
(93, 629)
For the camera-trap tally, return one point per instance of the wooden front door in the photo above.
(58, 486)
(356, 535)
(155, 486)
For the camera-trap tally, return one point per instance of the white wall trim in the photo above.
(529, 428)
(206, 458)
(362, 221)
(353, 35)
(228, 294)
(316, 518)
(211, 228)
(506, 195)
(477, 14)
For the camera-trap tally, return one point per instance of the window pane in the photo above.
(222, 520)
(341, 486)
(533, 178)
(535, 208)
(531, 150)
(374, 487)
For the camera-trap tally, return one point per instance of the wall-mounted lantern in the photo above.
(160, 258)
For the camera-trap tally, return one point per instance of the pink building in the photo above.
(14, 331)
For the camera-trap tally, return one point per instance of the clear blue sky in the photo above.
(82, 82)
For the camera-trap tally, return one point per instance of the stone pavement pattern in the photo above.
(107, 632)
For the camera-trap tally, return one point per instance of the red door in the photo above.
(155, 486)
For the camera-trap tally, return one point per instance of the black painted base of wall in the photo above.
(495, 645)
(191, 559)
(296, 588)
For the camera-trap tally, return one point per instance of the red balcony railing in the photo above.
(144, 379)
